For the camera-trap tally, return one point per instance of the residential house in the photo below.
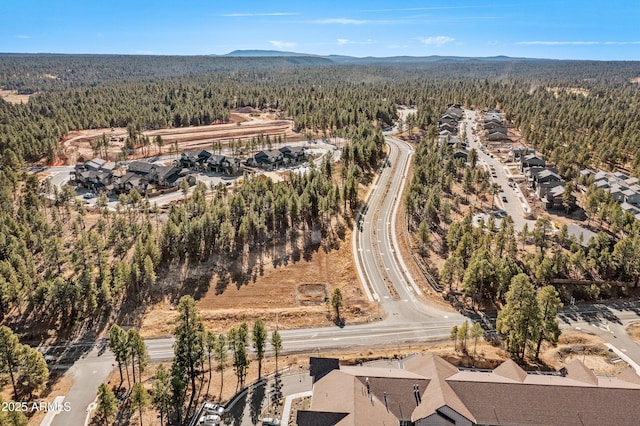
(427, 390)
(620, 175)
(502, 130)
(140, 175)
(602, 184)
(555, 198)
(497, 136)
(194, 159)
(631, 196)
(95, 174)
(491, 125)
(269, 159)
(294, 154)
(447, 126)
(223, 164)
(461, 153)
(628, 208)
(531, 160)
(617, 192)
(169, 176)
(543, 188)
(518, 153)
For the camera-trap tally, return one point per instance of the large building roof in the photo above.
(428, 387)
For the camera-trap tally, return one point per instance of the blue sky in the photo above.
(542, 29)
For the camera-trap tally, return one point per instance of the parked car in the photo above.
(504, 199)
(89, 195)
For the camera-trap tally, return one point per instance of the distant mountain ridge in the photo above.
(343, 59)
(262, 53)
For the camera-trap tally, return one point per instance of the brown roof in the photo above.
(578, 371)
(514, 403)
(504, 396)
(511, 370)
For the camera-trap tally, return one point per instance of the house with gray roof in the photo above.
(95, 174)
(223, 164)
(269, 159)
(497, 136)
(531, 160)
(631, 196)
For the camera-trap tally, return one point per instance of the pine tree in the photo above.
(107, 404)
(34, 371)
(139, 399)
(118, 345)
(259, 336)
(10, 354)
(336, 303)
(476, 332)
(220, 354)
(188, 347)
(276, 344)
(161, 392)
(550, 304)
(519, 319)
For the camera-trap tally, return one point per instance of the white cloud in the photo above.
(279, 44)
(342, 21)
(243, 15)
(398, 46)
(343, 41)
(436, 41)
(577, 43)
(22, 36)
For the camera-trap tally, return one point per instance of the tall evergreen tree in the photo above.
(188, 347)
(519, 320)
(107, 404)
(549, 304)
(161, 392)
(259, 336)
(10, 354)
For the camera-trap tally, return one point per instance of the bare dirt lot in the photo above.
(295, 290)
(13, 97)
(76, 146)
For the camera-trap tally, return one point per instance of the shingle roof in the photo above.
(505, 396)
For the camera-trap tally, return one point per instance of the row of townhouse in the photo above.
(624, 189)
(494, 127)
(268, 159)
(545, 180)
(448, 125)
(102, 176)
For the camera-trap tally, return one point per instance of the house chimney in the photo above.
(368, 386)
(386, 402)
(416, 394)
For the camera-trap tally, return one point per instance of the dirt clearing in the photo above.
(12, 97)
(76, 146)
(295, 290)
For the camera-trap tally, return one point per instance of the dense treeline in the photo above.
(578, 113)
(314, 101)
